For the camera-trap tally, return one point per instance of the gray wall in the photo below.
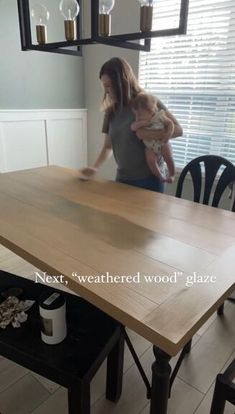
(31, 79)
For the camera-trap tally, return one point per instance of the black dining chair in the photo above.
(208, 168)
(211, 175)
(224, 390)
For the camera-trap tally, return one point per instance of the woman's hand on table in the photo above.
(87, 173)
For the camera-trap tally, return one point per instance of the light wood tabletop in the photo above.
(158, 264)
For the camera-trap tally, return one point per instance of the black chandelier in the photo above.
(100, 26)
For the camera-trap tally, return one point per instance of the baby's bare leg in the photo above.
(152, 163)
(168, 158)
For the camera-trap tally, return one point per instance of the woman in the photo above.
(120, 88)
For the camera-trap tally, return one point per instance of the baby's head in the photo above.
(144, 106)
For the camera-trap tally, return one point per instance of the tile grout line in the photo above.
(13, 383)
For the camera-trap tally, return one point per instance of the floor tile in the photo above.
(10, 373)
(184, 399)
(133, 398)
(23, 396)
(211, 352)
(49, 385)
(55, 404)
(140, 345)
(205, 404)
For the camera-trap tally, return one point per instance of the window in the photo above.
(194, 75)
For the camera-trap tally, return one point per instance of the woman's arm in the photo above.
(139, 124)
(178, 130)
(169, 126)
(162, 134)
(104, 154)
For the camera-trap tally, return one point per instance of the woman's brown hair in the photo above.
(124, 83)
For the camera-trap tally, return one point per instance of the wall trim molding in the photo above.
(34, 114)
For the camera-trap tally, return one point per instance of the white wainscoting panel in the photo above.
(24, 145)
(35, 138)
(63, 135)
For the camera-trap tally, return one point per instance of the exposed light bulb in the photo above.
(146, 15)
(41, 15)
(105, 7)
(69, 9)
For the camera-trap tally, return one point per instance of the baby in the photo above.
(157, 151)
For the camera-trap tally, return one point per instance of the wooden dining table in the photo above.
(158, 264)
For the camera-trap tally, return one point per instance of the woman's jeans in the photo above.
(150, 183)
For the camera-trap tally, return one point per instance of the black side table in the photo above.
(92, 336)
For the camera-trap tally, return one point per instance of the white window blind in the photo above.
(194, 76)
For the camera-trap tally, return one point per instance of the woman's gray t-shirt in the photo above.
(128, 150)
